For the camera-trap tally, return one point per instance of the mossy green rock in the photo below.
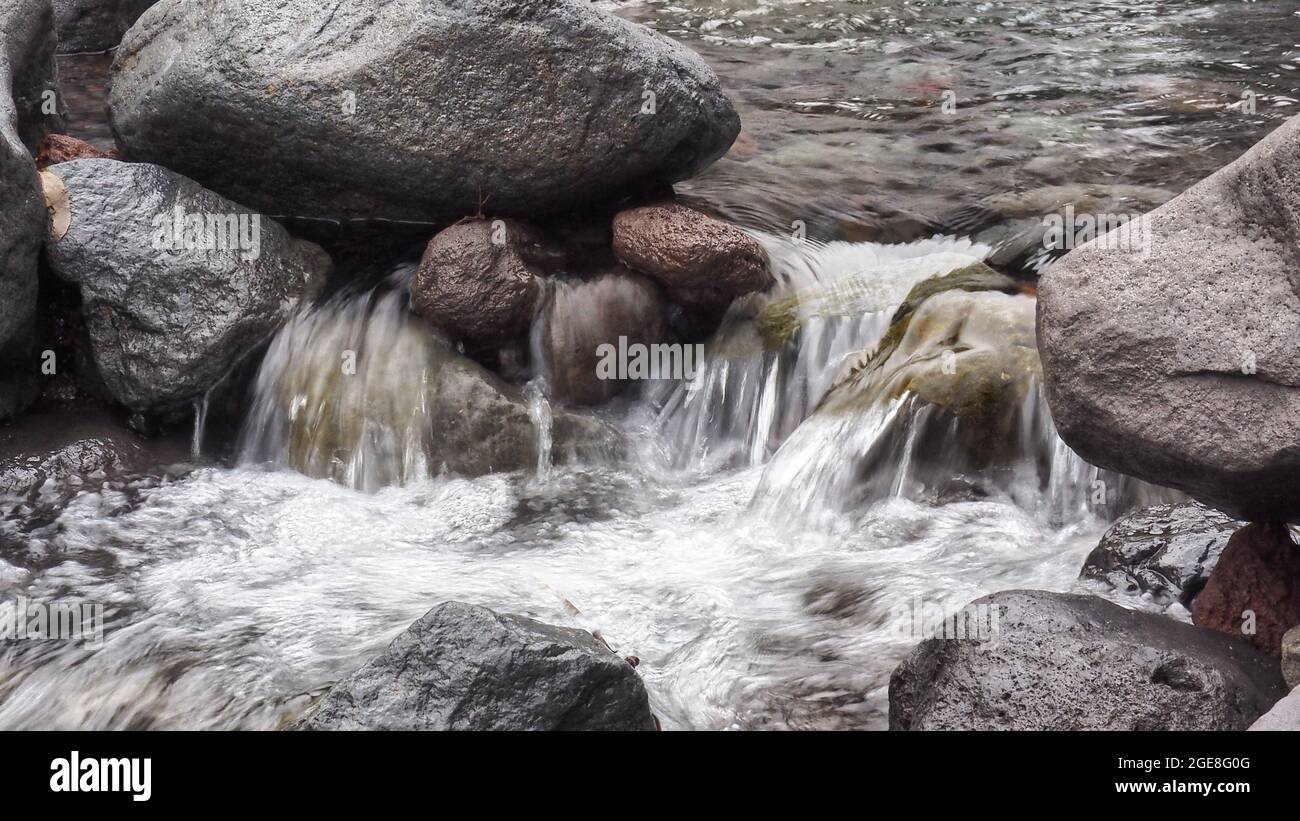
(969, 352)
(778, 321)
(972, 278)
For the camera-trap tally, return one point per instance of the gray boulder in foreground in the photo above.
(1180, 364)
(1166, 550)
(414, 109)
(177, 283)
(462, 667)
(27, 71)
(1069, 662)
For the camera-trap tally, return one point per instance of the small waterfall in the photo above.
(902, 447)
(201, 407)
(539, 410)
(344, 391)
(776, 356)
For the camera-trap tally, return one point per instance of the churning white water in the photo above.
(235, 595)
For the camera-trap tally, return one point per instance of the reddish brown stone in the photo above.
(478, 280)
(702, 261)
(57, 148)
(1258, 572)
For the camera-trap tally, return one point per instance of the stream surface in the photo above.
(235, 594)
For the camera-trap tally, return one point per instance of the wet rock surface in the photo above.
(27, 73)
(361, 391)
(57, 148)
(1065, 662)
(480, 281)
(702, 261)
(462, 667)
(589, 324)
(1167, 550)
(95, 25)
(177, 283)
(71, 446)
(531, 107)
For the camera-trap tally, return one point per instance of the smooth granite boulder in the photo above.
(177, 283)
(28, 78)
(414, 109)
(1175, 356)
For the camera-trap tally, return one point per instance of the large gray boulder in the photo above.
(95, 25)
(27, 72)
(1167, 551)
(177, 283)
(462, 667)
(1066, 662)
(414, 109)
(1174, 356)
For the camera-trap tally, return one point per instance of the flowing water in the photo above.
(735, 548)
(235, 595)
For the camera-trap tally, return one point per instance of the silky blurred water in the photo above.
(235, 595)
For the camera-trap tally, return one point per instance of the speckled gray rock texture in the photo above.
(412, 109)
(1068, 662)
(1180, 365)
(170, 311)
(462, 667)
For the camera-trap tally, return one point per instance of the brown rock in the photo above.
(1259, 574)
(582, 316)
(57, 148)
(702, 261)
(478, 280)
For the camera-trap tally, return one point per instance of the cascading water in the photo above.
(539, 410)
(342, 392)
(772, 361)
(236, 594)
